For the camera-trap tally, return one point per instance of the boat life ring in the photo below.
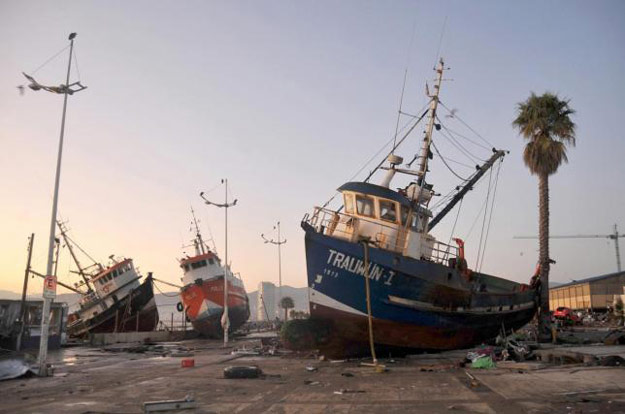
(179, 306)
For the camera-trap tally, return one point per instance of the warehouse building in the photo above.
(594, 293)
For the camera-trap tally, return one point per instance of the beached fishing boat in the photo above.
(115, 299)
(374, 259)
(202, 294)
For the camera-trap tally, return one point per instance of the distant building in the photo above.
(266, 309)
(594, 293)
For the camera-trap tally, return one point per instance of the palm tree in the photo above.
(544, 121)
(286, 303)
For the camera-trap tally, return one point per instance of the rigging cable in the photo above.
(453, 229)
(49, 60)
(76, 64)
(458, 145)
(492, 207)
(379, 151)
(479, 248)
(447, 165)
(468, 126)
(467, 138)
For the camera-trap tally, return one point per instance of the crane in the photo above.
(613, 236)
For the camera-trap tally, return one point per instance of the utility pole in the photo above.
(614, 236)
(49, 291)
(18, 342)
(279, 243)
(225, 321)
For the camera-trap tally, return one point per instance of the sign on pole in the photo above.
(49, 287)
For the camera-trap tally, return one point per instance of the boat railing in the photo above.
(443, 252)
(385, 236)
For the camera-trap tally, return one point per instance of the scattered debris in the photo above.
(348, 391)
(483, 362)
(309, 382)
(187, 363)
(311, 369)
(612, 361)
(169, 405)
(14, 367)
(615, 337)
(238, 372)
(347, 374)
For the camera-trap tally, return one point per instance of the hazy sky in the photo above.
(288, 99)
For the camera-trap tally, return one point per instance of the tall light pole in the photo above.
(225, 321)
(49, 288)
(279, 243)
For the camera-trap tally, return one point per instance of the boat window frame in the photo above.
(394, 209)
(349, 207)
(416, 223)
(368, 198)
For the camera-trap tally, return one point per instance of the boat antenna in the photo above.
(403, 87)
(199, 243)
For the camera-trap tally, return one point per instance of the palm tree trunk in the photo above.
(544, 321)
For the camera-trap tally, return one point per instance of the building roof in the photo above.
(589, 280)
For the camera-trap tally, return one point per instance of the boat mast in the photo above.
(81, 271)
(427, 140)
(198, 237)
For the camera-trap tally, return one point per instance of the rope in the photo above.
(492, 207)
(161, 292)
(368, 296)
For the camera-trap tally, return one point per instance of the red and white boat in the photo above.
(202, 293)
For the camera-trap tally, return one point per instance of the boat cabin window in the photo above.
(186, 268)
(349, 203)
(414, 224)
(388, 211)
(364, 205)
(196, 265)
(211, 261)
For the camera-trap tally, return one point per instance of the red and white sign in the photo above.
(49, 287)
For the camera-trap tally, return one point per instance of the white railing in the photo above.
(385, 236)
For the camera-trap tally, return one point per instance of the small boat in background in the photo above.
(202, 294)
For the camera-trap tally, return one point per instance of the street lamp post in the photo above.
(225, 321)
(49, 291)
(279, 243)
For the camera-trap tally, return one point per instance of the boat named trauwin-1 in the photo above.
(422, 295)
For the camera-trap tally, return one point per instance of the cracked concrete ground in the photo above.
(88, 380)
